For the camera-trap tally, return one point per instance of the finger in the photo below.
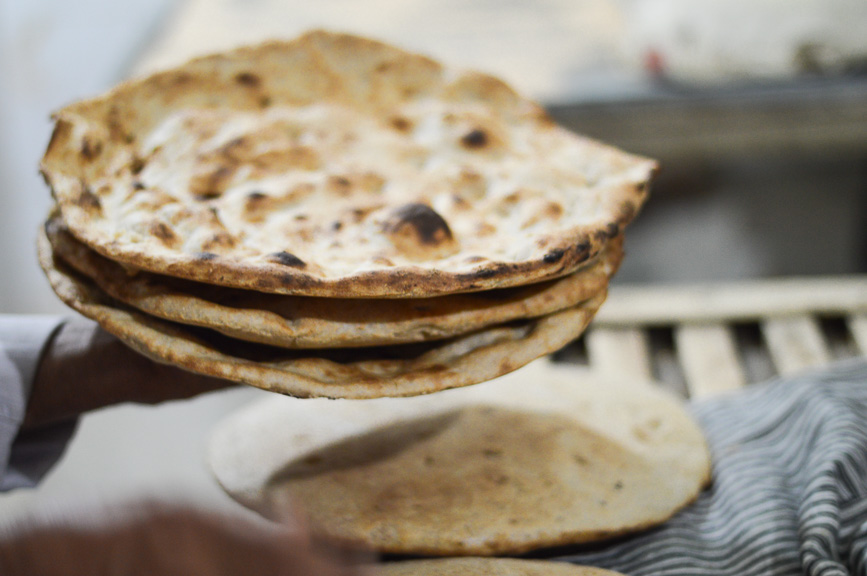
(286, 512)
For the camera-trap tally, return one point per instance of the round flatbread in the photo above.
(370, 372)
(487, 567)
(548, 455)
(336, 166)
(310, 322)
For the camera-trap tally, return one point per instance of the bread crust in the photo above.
(310, 322)
(372, 372)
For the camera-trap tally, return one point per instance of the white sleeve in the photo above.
(25, 457)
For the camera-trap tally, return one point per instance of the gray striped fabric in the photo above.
(789, 494)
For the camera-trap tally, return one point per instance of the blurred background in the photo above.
(756, 109)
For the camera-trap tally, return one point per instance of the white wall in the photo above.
(51, 52)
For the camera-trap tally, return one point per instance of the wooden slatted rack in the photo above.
(702, 340)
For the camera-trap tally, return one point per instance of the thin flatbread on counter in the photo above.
(310, 322)
(547, 455)
(371, 372)
(487, 567)
(337, 166)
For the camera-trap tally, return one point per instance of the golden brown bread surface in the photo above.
(336, 166)
(547, 455)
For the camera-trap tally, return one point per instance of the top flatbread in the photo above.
(336, 166)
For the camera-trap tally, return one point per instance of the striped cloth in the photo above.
(789, 494)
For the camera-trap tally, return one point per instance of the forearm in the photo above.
(84, 368)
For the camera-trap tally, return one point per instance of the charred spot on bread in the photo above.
(164, 233)
(211, 185)
(248, 79)
(582, 249)
(475, 139)
(429, 227)
(208, 195)
(87, 200)
(601, 235)
(553, 256)
(485, 273)
(286, 259)
(401, 124)
(419, 232)
(90, 149)
(136, 165)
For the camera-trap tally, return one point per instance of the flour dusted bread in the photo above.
(544, 456)
(309, 322)
(488, 567)
(336, 166)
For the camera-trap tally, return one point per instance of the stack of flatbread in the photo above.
(333, 217)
